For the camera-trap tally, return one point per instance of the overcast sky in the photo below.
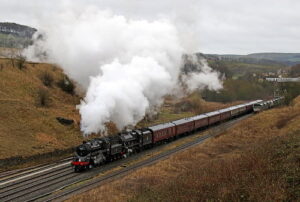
(217, 26)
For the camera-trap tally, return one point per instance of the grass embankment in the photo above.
(28, 110)
(257, 160)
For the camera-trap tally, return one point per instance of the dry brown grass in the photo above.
(22, 120)
(46, 140)
(257, 160)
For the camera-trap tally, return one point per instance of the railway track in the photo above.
(4, 176)
(58, 181)
(18, 185)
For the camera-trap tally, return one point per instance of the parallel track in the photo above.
(43, 183)
(8, 175)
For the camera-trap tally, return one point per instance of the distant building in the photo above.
(283, 79)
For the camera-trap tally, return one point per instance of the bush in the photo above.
(47, 78)
(43, 97)
(289, 91)
(20, 62)
(66, 85)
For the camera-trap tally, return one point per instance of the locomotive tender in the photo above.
(105, 149)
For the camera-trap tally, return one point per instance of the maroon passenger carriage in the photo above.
(213, 117)
(162, 132)
(201, 121)
(225, 114)
(249, 107)
(235, 111)
(184, 126)
(242, 109)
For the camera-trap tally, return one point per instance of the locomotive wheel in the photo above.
(77, 169)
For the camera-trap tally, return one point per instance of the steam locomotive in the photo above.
(99, 151)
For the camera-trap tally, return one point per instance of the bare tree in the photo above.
(17, 59)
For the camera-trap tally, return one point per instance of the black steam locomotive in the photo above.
(101, 150)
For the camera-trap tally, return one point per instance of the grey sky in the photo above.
(218, 26)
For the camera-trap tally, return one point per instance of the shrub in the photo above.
(54, 68)
(289, 90)
(43, 97)
(66, 85)
(20, 62)
(47, 78)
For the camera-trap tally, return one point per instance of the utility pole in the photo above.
(278, 87)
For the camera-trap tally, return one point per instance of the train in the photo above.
(264, 105)
(102, 150)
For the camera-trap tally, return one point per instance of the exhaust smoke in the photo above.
(125, 65)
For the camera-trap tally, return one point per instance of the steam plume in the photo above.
(126, 66)
(198, 75)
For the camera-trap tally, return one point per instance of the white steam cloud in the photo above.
(126, 66)
(201, 76)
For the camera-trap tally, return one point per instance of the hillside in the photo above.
(238, 66)
(256, 160)
(262, 58)
(28, 110)
(285, 58)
